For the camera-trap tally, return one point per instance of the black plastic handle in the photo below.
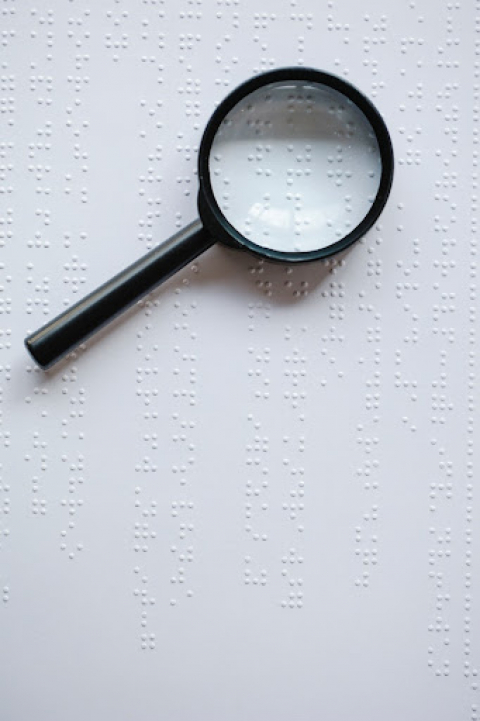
(62, 334)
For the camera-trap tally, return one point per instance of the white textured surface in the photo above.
(254, 497)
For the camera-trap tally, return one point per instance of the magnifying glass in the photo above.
(294, 165)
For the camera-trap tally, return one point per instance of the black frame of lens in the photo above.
(213, 218)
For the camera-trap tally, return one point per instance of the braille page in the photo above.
(253, 497)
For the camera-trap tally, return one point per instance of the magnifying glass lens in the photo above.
(295, 166)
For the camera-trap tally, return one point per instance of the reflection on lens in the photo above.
(295, 166)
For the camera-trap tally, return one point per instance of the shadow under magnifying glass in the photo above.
(281, 284)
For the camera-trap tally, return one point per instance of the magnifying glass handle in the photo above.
(62, 334)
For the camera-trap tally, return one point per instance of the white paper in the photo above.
(254, 496)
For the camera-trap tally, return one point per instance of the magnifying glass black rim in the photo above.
(213, 218)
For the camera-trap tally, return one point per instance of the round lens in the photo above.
(295, 166)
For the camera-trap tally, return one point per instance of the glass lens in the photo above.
(295, 166)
